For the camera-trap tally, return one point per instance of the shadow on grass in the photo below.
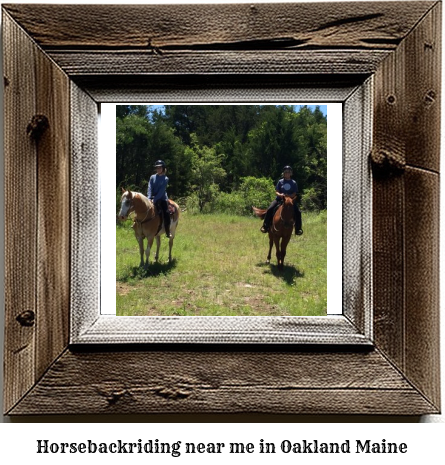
(154, 269)
(288, 274)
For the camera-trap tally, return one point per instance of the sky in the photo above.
(323, 108)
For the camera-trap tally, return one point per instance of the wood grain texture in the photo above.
(223, 382)
(275, 26)
(85, 208)
(210, 39)
(357, 209)
(20, 213)
(54, 216)
(333, 329)
(79, 63)
(37, 200)
(423, 92)
(422, 364)
(406, 205)
(225, 88)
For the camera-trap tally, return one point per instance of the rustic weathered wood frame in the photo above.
(57, 69)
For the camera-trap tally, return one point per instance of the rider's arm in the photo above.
(150, 188)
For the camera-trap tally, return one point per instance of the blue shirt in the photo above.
(286, 186)
(157, 187)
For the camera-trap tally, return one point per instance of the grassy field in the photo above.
(219, 268)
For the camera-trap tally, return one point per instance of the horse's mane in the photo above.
(148, 203)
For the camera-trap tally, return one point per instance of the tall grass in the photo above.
(219, 268)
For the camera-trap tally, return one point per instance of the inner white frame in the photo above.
(107, 176)
(91, 325)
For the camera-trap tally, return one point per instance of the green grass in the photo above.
(219, 268)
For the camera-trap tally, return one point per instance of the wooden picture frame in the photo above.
(56, 72)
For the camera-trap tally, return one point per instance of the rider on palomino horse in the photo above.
(157, 187)
(285, 187)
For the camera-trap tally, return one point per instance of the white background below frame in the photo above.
(107, 180)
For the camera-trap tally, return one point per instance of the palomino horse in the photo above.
(281, 229)
(147, 223)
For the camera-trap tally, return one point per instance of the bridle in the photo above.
(286, 223)
(146, 219)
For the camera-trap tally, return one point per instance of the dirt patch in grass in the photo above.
(123, 289)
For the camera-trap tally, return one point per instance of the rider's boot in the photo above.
(264, 228)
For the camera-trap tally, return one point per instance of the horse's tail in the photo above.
(260, 213)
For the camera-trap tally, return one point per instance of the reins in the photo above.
(286, 224)
(145, 220)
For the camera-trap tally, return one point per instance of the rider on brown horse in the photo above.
(285, 187)
(157, 193)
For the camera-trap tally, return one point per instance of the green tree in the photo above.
(206, 171)
(133, 133)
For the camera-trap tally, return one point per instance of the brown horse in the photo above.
(281, 228)
(147, 223)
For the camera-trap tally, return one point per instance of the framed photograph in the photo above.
(222, 277)
(219, 164)
(379, 352)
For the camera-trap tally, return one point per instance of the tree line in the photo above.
(220, 153)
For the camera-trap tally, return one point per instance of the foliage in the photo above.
(257, 192)
(211, 150)
(206, 172)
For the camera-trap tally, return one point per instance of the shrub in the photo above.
(310, 200)
(252, 192)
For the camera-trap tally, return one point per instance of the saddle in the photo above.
(171, 211)
(171, 208)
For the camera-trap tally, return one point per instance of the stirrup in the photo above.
(264, 229)
(298, 232)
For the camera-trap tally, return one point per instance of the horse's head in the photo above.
(126, 204)
(289, 202)
(287, 213)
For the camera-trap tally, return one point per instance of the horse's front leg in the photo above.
(173, 226)
(277, 247)
(284, 243)
(269, 255)
(141, 249)
(140, 238)
(147, 251)
(158, 246)
(170, 247)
